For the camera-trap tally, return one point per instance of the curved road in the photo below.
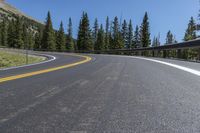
(106, 94)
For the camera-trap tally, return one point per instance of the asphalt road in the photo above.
(108, 94)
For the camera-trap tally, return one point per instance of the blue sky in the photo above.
(164, 14)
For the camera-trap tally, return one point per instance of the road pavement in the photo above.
(108, 94)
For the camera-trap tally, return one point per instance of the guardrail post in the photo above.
(164, 53)
(198, 53)
(179, 53)
(153, 53)
(157, 53)
(140, 53)
(167, 53)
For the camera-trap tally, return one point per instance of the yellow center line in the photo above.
(86, 59)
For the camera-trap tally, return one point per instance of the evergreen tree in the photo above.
(95, 31)
(100, 39)
(107, 41)
(4, 33)
(110, 41)
(117, 41)
(38, 39)
(61, 40)
(130, 36)
(145, 32)
(136, 38)
(11, 33)
(156, 41)
(125, 34)
(70, 40)
(25, 36)
(31, 40)
(190, 33)
(19, 34)
(80, 38)
(48, 41)
(84, 40)
(169, 38)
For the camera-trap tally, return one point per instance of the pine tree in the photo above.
(84, 40)
(70, 40)
(190, 33)
(145, 32)
(117, 41)
(100, 39)
(107, 41)
(19, 33)
(80, 38)
(61, 40)
(110, 41)
(95, 31)
(136, 38)
(31, 40)
(48, 41)
(125, 34)
(156, 41)
(38, 39)
(11, 33)
(4, 33)
(25, 36)
(130, 36)
(169, 38)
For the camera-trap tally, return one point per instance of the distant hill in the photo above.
(9, 11)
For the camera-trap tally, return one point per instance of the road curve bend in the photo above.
(106, 94)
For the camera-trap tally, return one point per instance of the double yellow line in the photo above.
(86, 59)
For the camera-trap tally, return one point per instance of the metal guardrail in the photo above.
(160, 51)
(182, 45)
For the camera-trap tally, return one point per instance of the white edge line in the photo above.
(186, 69)
(53, 58)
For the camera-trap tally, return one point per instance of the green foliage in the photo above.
(117, 41)
(100, 39)
(145, 32)
(70, 41)
(136, 38)
(95, 31)
(18, 40)
(170, 38)
(107, 40)
(124, 33)
(84, 40)
(130, 38)
(10, 59)
(25, 36)
(11, 33)
(4, 33)
(38, 39)
(31, 40)
(60, 39)
(156, 41)
(190, 33)
(48, 41)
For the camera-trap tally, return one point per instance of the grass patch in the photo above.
(12, 59)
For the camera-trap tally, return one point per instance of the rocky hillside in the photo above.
(7, 10)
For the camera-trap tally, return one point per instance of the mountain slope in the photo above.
(6, 10)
